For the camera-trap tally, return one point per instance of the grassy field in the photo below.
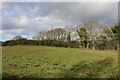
(54, 62)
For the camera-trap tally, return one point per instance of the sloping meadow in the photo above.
(55, 62)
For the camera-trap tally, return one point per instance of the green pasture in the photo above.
(57, 62)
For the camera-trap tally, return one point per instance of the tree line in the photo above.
(91, 35)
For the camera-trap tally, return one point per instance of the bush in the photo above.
(36, 42)
(100, 45)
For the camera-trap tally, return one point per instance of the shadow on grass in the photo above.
(80, 70)
(6, 75)
(88, 70)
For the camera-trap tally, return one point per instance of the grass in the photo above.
(55, 62)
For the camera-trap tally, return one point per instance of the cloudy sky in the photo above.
(28, 18)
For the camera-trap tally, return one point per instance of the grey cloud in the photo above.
(43, 16)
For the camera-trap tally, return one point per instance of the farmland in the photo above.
(57, 62)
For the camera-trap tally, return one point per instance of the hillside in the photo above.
(55, 62)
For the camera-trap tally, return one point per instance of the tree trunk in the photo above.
(93, 45)
(87, 45)
(80, 45)
(118, 46)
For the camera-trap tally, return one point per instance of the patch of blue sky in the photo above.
(6, 37)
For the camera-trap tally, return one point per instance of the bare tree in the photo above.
(17, 37)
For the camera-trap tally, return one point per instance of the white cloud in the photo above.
(60, 0)
(22, 21)
(32, 17)
(16, 31)
(42, 19)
